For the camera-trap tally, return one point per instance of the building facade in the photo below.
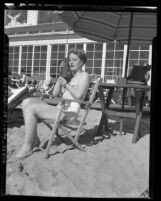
(38, 41)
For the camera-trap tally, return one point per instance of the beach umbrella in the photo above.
(124, 27)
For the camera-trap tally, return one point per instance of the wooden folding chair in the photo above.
(78, 125)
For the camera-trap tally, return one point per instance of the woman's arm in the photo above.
(83, 85)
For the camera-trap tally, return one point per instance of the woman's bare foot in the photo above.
(23, 153)
(28, 150)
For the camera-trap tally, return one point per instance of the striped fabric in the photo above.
(109, 26)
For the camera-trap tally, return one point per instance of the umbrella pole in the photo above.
(126, 64)
(128, 44)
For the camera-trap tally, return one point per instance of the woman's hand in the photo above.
(62, 81)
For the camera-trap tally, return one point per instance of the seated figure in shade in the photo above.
(35, 110)
(138, 75)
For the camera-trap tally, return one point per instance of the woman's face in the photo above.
(75, 62)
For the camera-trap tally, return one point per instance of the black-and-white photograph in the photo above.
(79, 101)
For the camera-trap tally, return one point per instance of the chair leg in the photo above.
(121, 125)
(54, 131)
(136, 130)
(75, 142)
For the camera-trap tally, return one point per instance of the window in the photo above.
(57, 55)
(26, 59)
(13, 59)
(40, 57)
(114, 60)
(94, 58)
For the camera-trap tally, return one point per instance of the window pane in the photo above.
(15, 62)
(15, 69)
(97, 71)
(24, 56)
(144, 55)
(16, 49)
(23, 70)
(43, 55)
(134, 46)
(132, 62)
(42, 62)
(29, 62)
(61, 47)
(109, 63)
(36, 70)
(42, 70)
(37, 48)
(28, 70)
(97, 63)
(119, 46)
(118, 63)
(90, 47)
(24, 48)
(16, 56)
(98, 55)
(44, 48)
(119, 54)
(23, 62)
(36, 55)
(134, 54)
(54, 48)
(53, 63)
(144, 47)
(109, 55)
(89, 63)
(143, 62)
(110, 46)
(79, 46)
(89, 55)
(61, 55)
(29, 55)
(30, 48)
(53, 70)
(53, 55)
(70, 46)
(36, 62)
(98, 47)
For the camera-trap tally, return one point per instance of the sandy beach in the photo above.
(111, 166)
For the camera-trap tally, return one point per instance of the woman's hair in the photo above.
(80, 53)
(64, 62)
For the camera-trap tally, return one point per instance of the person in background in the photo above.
(148, 79)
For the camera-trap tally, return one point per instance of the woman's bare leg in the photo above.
(34, 110)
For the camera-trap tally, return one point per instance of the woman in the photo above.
(33, 109)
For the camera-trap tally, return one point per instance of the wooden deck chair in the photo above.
(78, 125)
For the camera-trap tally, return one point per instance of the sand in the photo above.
(111, 166)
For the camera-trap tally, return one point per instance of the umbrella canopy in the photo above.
(124, 27)
(109, 26)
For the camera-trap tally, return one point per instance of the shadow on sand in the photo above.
(89, 138)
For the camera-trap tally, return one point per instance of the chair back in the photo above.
(92, 93)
